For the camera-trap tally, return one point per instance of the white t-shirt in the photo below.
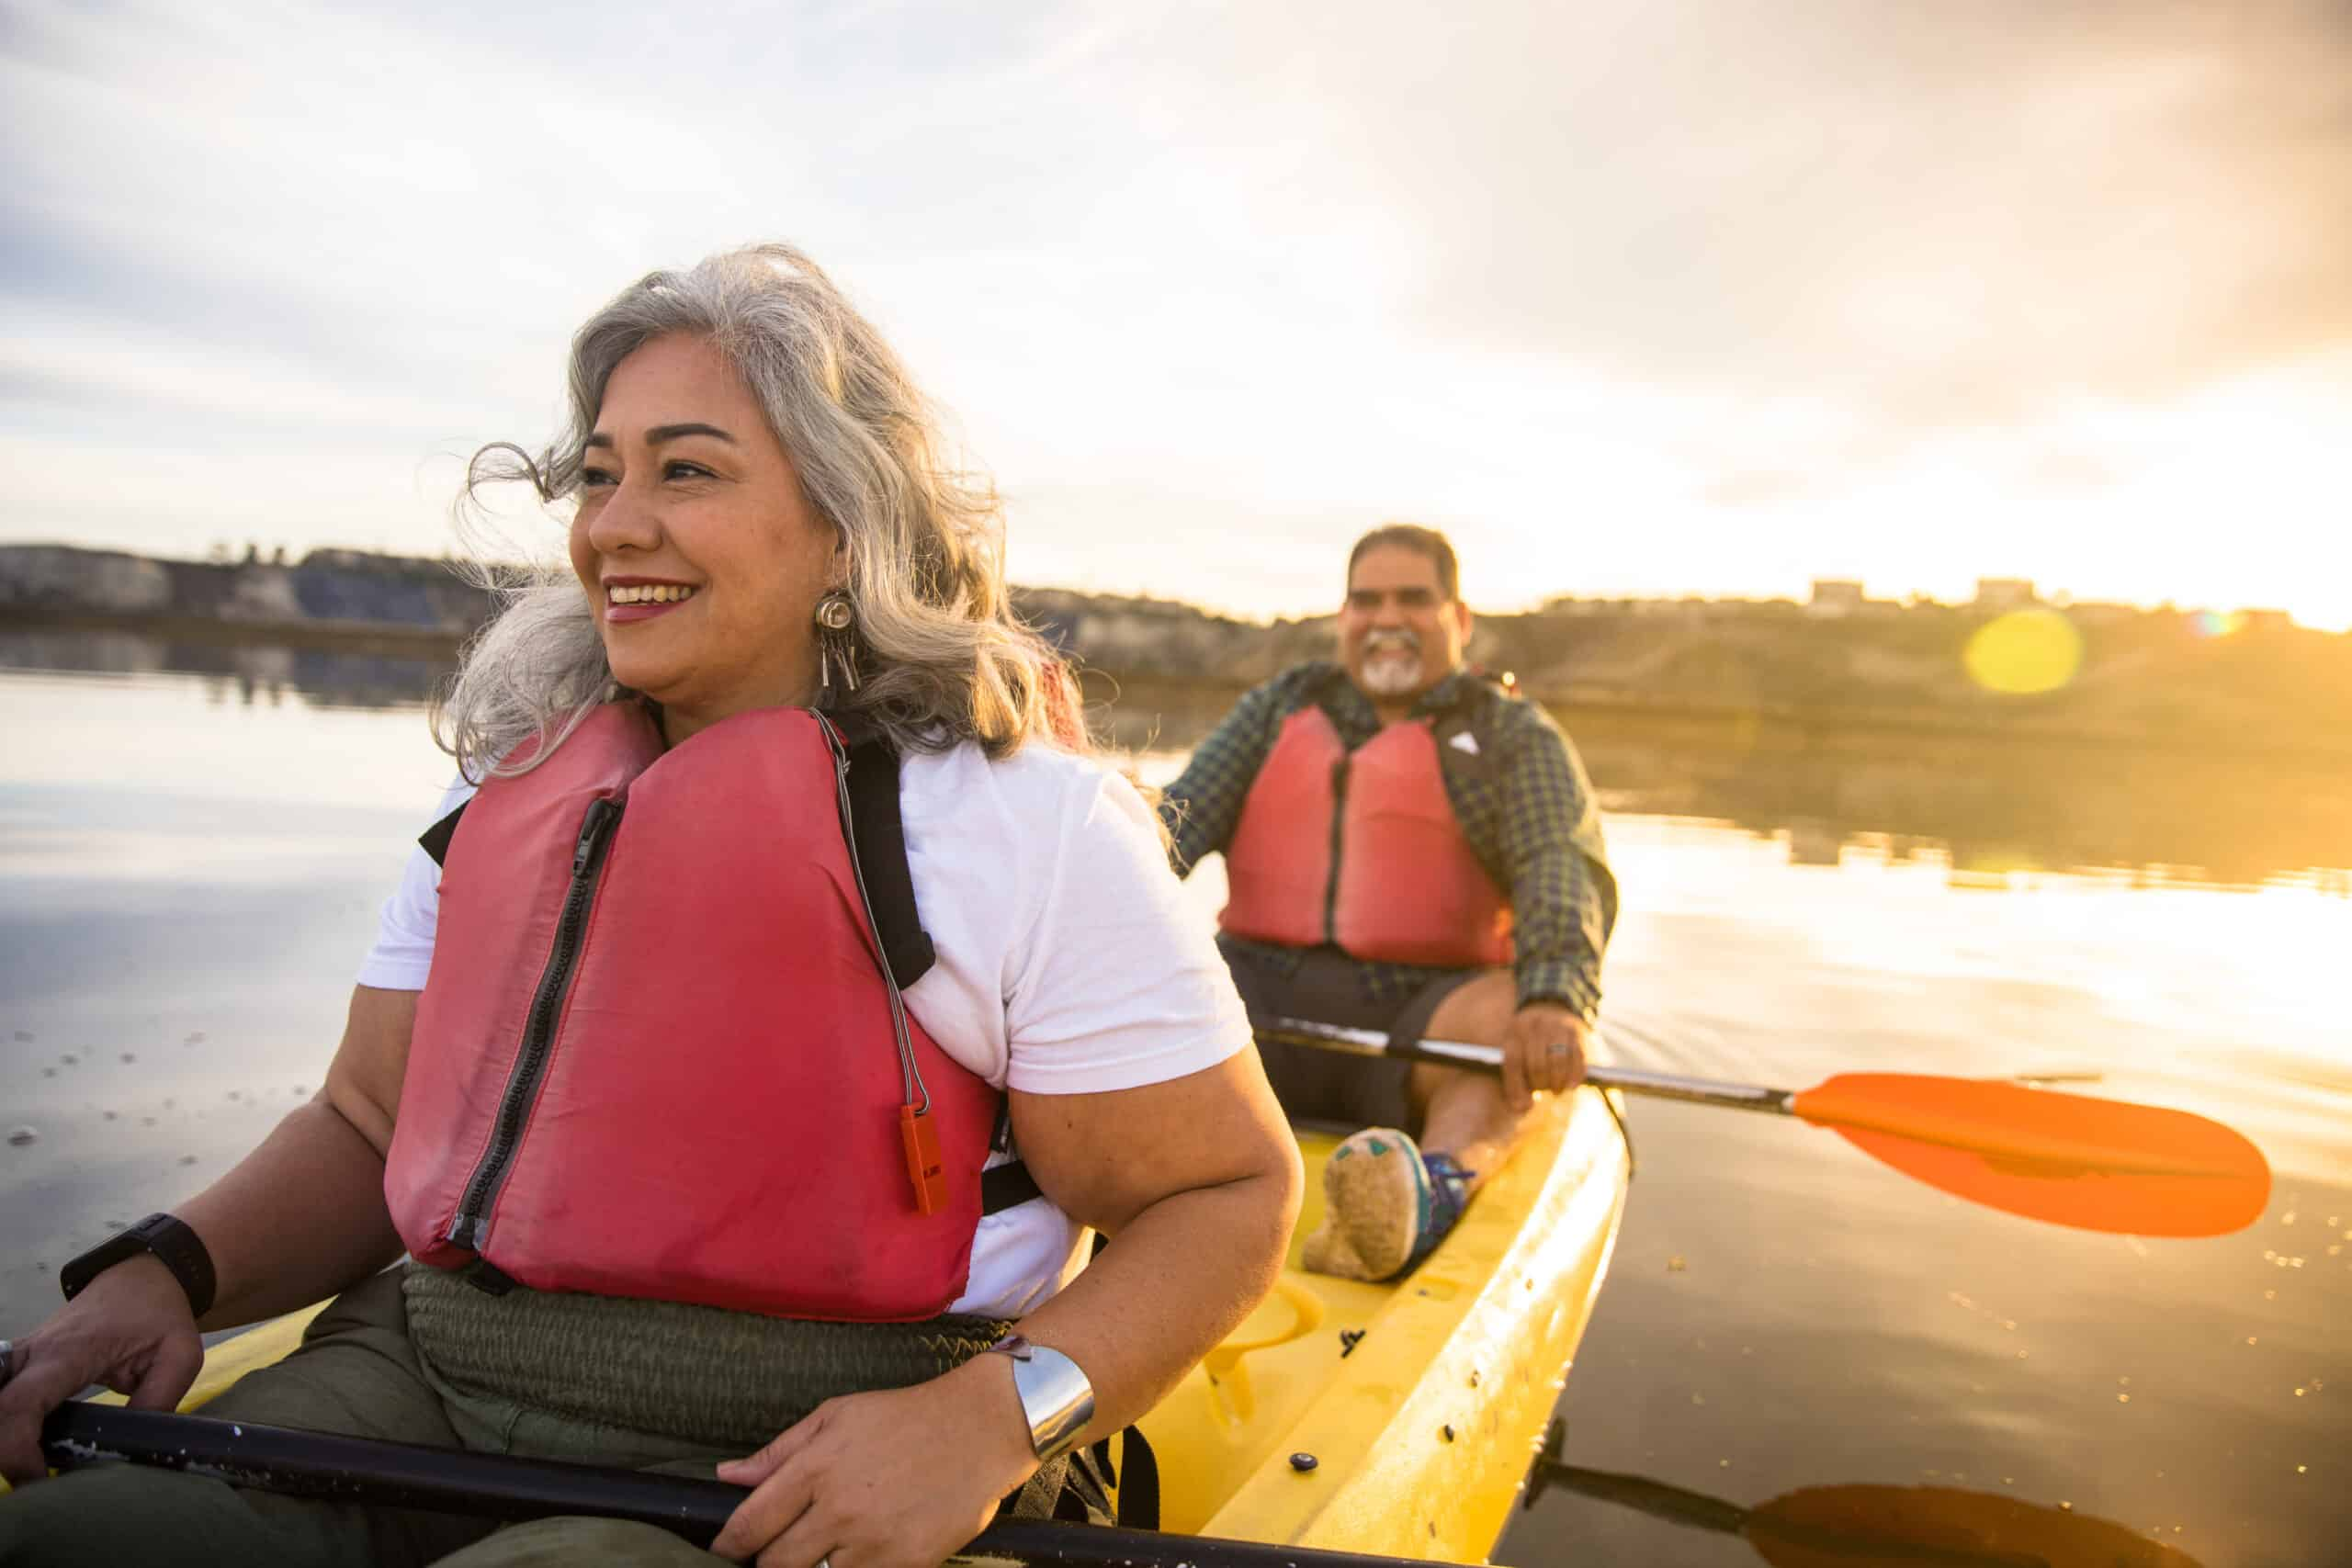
(1066, 962)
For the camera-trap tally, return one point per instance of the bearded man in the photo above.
(1412, 847)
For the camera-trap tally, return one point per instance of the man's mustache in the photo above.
(1400, 640)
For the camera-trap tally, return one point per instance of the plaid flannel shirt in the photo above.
(1528, 813)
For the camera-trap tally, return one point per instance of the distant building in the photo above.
(1835, 596)
(2101, 613)
(1997, 594)
(1815, 844)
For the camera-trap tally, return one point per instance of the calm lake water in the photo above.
(193, 844)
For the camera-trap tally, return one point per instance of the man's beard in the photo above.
(1392, 663)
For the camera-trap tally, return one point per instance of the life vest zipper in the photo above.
(1338, 821)
(470, 1226)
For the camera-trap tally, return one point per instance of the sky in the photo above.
(1632, 298)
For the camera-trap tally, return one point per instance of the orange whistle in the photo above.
(924, 1166)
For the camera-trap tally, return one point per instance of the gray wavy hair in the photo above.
(941, 656)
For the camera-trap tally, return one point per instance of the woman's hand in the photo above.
(897, 1479)
(130, 1330)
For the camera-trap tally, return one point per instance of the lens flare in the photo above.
(2025, 652)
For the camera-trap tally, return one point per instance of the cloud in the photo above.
(1597, 287)
(1755, 488)
(1949, 213)
(2060, 469)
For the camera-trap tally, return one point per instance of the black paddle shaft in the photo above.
(499, 1486)
(1489, 1059)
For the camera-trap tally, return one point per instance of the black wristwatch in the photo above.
(179, 1247)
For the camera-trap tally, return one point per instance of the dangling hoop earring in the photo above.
(835, 640)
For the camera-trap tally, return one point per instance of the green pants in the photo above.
(356, 1373)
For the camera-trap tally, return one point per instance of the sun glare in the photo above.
(2025, 652)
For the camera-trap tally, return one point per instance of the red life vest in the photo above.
(655, 1055)
(1407, 887)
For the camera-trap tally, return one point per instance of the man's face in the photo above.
(1399, 635)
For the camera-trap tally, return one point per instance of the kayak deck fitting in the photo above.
(1396, 1418)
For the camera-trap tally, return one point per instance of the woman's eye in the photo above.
(679, 468)
(591, 478)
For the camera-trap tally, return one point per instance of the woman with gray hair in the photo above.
(779, 997)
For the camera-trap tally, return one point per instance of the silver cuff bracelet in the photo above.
(1055, 1395)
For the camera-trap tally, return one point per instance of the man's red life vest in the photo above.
(655, 1058)
(1408, 889)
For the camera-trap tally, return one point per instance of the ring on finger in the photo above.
(7, 1361)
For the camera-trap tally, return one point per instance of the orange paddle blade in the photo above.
(2100, 1164)
(1844, 1526)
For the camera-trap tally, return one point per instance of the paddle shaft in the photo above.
(1489, 1059)
(500, 1487)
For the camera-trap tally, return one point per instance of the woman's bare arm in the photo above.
(1198, 1180)
(303, 1215)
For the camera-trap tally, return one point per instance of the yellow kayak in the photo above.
(1394, 1419)
(1420, 1403)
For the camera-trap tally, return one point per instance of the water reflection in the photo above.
(236, 671)
(1861, 1526)
(1993, 809)
(1987, 811)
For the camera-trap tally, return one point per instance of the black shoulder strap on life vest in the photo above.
(437, 837)
(881, 847)
(1007, 1186)
(1476, 756)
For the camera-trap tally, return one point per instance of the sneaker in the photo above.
(1384, 1206)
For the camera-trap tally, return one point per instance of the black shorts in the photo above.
(1332, 1086)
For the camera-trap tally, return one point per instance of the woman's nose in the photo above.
(627, 520)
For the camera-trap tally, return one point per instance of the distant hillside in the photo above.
(2160, 677)
(334, 594)
(2266, 686)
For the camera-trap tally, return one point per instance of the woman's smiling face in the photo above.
(702, 558)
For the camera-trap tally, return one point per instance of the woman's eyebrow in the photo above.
(663, 433)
